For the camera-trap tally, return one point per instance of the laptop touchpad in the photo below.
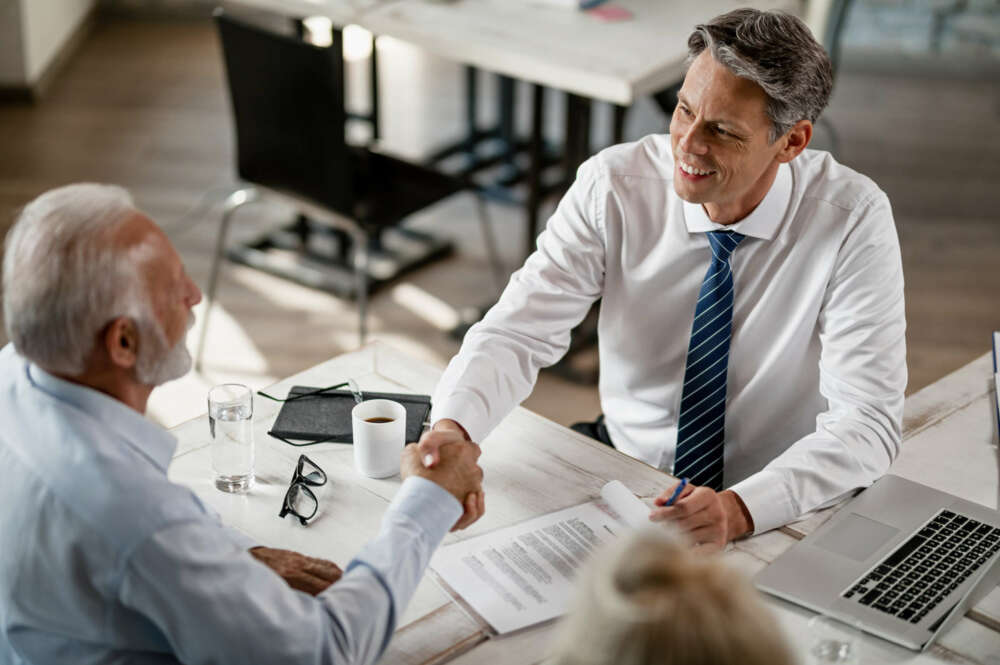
(856, 537)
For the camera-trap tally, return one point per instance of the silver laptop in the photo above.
(901, 560)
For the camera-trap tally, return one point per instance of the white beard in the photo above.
(156, 364)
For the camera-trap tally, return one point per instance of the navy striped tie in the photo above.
(702, 422)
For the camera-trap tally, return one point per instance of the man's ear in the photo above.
(121, 340)
(795, 141)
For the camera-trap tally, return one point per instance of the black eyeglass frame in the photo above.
(349, 384)
(300, 483)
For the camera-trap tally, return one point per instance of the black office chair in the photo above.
(288, 103)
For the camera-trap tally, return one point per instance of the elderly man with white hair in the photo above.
(103, 559)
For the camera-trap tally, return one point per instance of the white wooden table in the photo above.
(534, 466)
(949, 443)
(561, 49)
(340, 12)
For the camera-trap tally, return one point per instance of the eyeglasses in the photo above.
(299, 499)
(350, 384)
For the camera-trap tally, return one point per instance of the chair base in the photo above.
(320, 261)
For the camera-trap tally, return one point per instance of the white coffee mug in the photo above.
(379, 427)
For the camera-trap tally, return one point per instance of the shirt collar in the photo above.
(148, 439)
(762, 223)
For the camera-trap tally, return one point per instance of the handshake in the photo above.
(447, 457)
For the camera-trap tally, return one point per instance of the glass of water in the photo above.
(832, 641)
(230, 421)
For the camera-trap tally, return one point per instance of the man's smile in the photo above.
(692, 170)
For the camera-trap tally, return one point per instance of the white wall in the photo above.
(11, 45)
(32, 32)
(47, 24)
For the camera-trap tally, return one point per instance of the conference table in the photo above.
(534, 466)
(529, 40)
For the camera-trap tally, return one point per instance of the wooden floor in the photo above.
(143, 104)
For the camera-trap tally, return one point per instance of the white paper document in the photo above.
(996, 353)
(523, 575)
(996, 402)
(996, 378)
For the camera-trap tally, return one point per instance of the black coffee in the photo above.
(379, 419)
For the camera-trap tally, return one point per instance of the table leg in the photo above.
(577, 148)
(471, 112)
(373, 77)
(508, 130)
(535, 167)
(618, 124)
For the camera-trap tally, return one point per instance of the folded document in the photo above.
(523, 575)
(996, 377)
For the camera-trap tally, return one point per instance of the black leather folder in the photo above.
(327, 416)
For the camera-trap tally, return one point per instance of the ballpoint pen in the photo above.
(677, 492)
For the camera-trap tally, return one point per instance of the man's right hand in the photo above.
(456, 471)
(443, 432)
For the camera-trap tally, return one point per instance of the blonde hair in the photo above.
(649, 599)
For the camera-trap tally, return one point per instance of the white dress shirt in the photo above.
(104, 560)
(817, 363)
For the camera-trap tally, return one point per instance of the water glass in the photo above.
(230, 421)
(832, 641)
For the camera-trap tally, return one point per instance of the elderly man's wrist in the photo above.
(738, 519)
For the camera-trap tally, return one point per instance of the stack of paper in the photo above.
(523, 575)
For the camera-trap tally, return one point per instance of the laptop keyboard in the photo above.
(921, 572)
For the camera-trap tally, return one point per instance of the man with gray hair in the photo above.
(751, 320)
(103, 559)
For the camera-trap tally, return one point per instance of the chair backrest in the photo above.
(288, 102)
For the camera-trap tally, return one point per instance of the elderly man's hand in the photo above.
(301, 572)
(455, 470)
(710, 518)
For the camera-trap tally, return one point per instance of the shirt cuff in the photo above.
(767, 500)
(412, 528)
(432, 508)
(466, 410)
(240, 539)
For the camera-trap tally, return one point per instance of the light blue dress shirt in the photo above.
(103, 560)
